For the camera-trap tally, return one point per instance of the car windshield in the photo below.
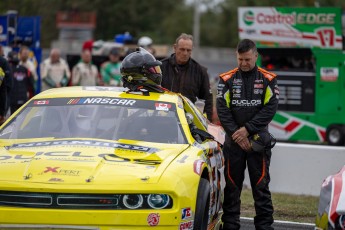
(103, 118)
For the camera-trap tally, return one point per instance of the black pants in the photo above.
(258, 168)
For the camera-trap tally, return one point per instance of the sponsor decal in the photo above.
(77, 156)
(258, 86)
(106, 100)
(220, 86)
(327, 181)
(187, 225)
(61, 172)
(291, 27)
(248, 103)
(162, 106)
(258, 91)
(183, 159)
(236, 90)
(186, 213)
(153, 219)
(219, 94)
(236, 80)
(220, 90)
(41, 102)
(50, 169)
(197, 166)
(329, 74)
(236, 95)
(180, 103)
(73, 101)
(84, 143)
(249, 18)
(56, 180)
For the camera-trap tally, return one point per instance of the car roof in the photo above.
(99, 91)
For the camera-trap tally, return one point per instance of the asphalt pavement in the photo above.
(248, 224)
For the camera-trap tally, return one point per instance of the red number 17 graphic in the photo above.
(326, 37)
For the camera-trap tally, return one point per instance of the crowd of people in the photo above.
(19, 78)
(246, 101)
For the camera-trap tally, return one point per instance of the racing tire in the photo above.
(335, 135)
(202, 205)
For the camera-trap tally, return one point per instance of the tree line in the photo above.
(162, 20)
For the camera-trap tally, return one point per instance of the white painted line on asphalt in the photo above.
(308, 146)
(282, 222)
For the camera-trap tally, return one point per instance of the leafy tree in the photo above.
(163, 21)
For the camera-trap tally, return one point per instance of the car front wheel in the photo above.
(202, 205)
(335, 135)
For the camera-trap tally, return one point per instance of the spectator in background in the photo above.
(88, 45)
(182, 74)
(55, 72)
(110, 70)
(85, 73)
(146, 43)
(23, 83)
(5, 82)
(24, 59)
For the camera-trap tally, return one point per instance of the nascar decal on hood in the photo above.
(83, 143)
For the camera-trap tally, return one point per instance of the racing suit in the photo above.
(5, 86)
(248, 99)
(23, 87)
(191, 80)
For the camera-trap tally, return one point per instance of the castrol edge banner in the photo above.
(291, 27)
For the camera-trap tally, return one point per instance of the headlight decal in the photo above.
(133, 201)
(158, 201)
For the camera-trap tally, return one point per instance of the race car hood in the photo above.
(82, 162)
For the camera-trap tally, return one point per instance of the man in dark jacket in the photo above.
(5, 83)
(247, 100)
(182, 74)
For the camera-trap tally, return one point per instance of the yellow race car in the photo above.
(105, 158)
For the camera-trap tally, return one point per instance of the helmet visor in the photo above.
(155, 69)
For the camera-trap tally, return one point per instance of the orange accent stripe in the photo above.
(232, 181)
(267, 74)
(263, 172)
(226, 76)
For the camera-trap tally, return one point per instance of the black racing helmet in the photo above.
(141, 66)
(262, 141)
